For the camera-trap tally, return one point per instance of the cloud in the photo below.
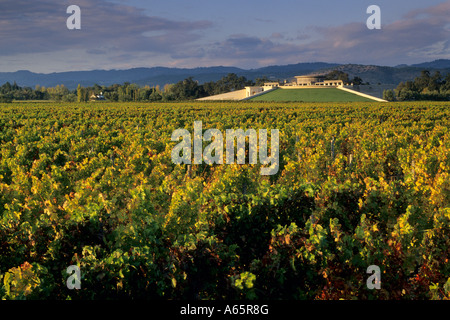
(96, 51)
(248, 49)
(40, 26)
(439, 12)
(417, 36)
(115, 35)
(435, 51)
(395, 41)
(277, 35)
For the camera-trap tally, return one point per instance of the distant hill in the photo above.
(436, 64)
(153, 76)
(390, 75)
(142, 76)
(163, 75)
(288, 71)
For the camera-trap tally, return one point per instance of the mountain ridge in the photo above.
(162, 75)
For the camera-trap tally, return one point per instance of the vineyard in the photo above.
(93, 185)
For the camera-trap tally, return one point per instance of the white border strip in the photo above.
(362, 94)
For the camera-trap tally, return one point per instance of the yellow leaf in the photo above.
(174, 282)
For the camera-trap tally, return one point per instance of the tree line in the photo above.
(425, 87)
(187, 89)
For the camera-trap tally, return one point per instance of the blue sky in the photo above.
(120, 34)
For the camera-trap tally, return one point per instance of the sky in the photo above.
(122, 34)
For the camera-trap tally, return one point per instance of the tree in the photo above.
(58, 93)
(111, 96)
(209, 88)
(357, 81)
(435, 82)
(15, 87)
(144, 93)
(80, 95)
(422, 82)
(6, 88)
(260, 81)
(155, 95)
(445, 87)
(70, 97)
(97, 88)
(5, 98)
(187, 89)
(232, 82)
(338, 75)
(167, 88)
(132, 92)
(125, 92)
(424, 87)
(389, 95)
(406, 91)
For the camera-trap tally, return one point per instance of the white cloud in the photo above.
(438, 50)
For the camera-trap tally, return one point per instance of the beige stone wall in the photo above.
(235, 95)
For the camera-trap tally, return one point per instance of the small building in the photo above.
(317, 81)
(308, 80)
(251, 91)
(96, 97)
(272, 84)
